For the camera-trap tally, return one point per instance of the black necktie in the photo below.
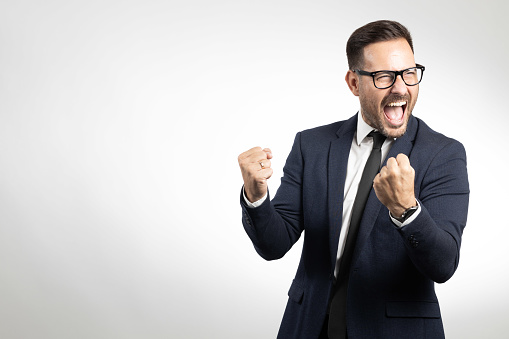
(337, 311)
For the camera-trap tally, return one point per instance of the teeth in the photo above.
(392, 104)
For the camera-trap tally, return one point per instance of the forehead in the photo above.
(388, 55)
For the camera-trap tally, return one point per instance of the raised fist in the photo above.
(255, 167)
(394, 185)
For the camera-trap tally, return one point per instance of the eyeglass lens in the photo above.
(411, 76)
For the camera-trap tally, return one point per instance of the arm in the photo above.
(276, 225)
(433, 239)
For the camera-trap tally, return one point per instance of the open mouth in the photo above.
(395, 112)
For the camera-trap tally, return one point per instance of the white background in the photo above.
(120, 127)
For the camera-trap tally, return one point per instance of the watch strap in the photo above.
(407, 213)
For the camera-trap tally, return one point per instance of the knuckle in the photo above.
(257, 156)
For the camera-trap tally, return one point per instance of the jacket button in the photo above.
(414, 243)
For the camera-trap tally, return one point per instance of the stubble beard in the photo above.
(375, 116)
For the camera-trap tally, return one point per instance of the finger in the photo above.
(267, 173)
(404, 164)
(261, 176)
(264, 163)
(256, 157)
(249, 152)
(403, 160)
(269, 153)
(255, 167)
(377, 182)
(392, 163)
(377, 179)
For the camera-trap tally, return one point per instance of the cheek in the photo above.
(372, 98)
(414, 92)
(377, 101)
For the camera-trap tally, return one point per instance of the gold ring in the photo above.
(261, 165)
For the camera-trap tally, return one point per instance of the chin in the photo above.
(384, 125)
(394, 131)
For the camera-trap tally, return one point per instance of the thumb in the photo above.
(268, 152)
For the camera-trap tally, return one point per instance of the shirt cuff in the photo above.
(409, 220)
(253, 204)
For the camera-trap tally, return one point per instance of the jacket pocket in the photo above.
(412, 309)
(296, 292)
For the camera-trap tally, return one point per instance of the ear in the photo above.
(352, 80)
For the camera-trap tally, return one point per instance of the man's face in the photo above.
(387, 110)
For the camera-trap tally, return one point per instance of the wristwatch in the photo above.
(407, 213)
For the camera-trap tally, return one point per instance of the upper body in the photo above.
(391, 265)
(393, 270)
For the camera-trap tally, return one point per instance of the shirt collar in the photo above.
(363, 129)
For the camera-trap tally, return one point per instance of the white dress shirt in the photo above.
(359, 154)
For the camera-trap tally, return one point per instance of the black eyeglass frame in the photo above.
(396, 73)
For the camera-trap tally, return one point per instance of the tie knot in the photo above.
(378, 139)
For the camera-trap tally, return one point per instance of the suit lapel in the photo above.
(338, 161)
(401, 145)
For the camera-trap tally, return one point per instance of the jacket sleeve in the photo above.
(433, 239)
(276, 225)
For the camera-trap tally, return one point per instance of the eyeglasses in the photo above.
(384, 79)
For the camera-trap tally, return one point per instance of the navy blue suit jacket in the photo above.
(391, 289)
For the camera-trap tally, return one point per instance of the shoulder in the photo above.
(435, 154)
(315, 142)
(432, 141)
(440, 163)
(329, 132)
(325, 131)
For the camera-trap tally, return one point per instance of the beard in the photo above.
(375, 117)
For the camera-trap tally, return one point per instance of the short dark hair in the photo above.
(376, 31)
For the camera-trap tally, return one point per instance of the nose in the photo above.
(399, 86)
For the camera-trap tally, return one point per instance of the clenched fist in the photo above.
(255, 167)
(394, 185)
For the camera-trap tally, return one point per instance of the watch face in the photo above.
(409, 212)
(406, 214)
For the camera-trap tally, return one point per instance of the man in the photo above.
(370, 257)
